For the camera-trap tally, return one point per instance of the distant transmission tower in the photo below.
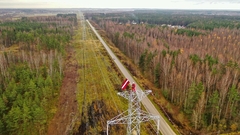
(134, 115)
(83, 26)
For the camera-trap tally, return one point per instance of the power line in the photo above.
(83, 26)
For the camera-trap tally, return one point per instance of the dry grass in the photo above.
(233, 133)
(13, 48)
(98, 80)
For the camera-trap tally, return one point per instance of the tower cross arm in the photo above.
(142, 94)
(124, 94)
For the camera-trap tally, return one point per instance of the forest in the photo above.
(32, 50)
(195, 66)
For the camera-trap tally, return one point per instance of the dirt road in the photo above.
(67, 103)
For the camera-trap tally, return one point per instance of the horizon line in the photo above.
(117, 8)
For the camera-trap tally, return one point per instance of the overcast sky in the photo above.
(160, 4)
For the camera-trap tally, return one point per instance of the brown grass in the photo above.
(13, 48)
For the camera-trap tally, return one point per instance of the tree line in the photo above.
(31, 71)
(191, 19)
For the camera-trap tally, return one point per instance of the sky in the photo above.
(154, 4)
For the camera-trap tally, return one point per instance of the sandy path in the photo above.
(67, 104)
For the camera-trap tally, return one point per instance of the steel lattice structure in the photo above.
(134, 115)
(83, 26)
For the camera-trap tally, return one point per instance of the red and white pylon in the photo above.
(134, 115)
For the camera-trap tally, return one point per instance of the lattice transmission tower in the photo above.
(83, 26)
(134, 116)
